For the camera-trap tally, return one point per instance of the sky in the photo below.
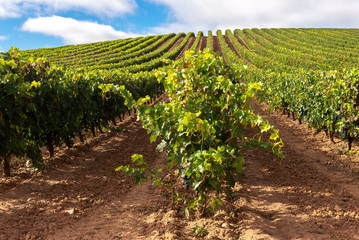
(31, 24)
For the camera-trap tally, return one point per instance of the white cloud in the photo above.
(8, 9)
(194, 15)
(73, 31)
(109, 8)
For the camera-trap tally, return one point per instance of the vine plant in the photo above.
(203, 127)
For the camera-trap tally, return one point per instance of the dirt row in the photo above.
(311, 194)
(202, 43)
(217, 48)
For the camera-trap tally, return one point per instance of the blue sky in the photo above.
(29, 24)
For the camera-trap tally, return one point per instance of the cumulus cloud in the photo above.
(109, 8)
(73, 31)
(193, 15)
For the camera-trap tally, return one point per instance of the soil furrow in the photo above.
(202, 44)
(217, 48)
(124, 215)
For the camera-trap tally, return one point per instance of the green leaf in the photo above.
(153, 137)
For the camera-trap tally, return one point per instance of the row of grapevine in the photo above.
(230, 55)
(305, 60)
(288, 54)
(77, 50)
(327, 100)
(288, 57)
(341, 57)
(209, 41)
(113, 55)
(256, 59)
(82, 52)
(42, 105)
(329, 39)
(138, 53)
(161, 61)
(197, 41)
(140, 59)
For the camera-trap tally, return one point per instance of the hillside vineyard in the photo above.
(50, 96)
(274, 49)
(313, 64)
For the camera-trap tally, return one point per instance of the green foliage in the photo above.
(328, 100)
(199, 232)
(209, 41)
(42, 105)
(203, 127)
(133, 55)
(141, 173)
(196, 42)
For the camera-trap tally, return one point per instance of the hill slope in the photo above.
(322, 49)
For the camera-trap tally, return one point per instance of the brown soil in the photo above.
(216, 45)
(217, 48)
(234, 49)
(186, 47)
(311, 194)
(202, 44)
(79, 195)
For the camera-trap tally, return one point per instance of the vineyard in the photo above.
(314, 64)
(233, 115)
